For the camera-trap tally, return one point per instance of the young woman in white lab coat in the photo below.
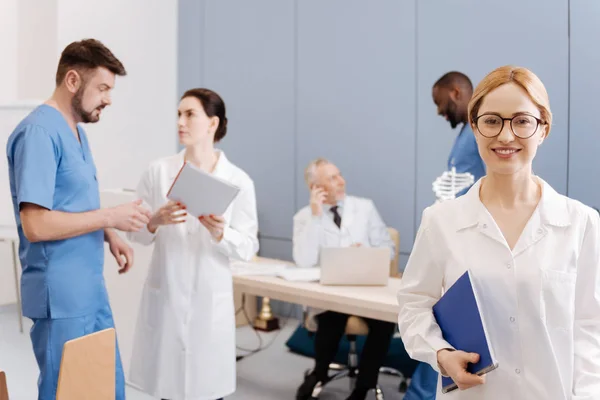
(185, 336)
(534, 255)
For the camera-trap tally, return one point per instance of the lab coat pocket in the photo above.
(558, 298)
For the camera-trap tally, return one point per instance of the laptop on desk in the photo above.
(355, 266)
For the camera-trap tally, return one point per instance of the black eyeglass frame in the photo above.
(538, 120)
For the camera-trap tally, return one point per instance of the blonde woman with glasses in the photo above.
(534, 256)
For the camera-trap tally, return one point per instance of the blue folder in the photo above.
(458, 316)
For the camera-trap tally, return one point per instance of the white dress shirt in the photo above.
(540, 301)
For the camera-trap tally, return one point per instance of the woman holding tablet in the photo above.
(185, 336)
(534, 256)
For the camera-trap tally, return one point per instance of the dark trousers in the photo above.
(331, 328)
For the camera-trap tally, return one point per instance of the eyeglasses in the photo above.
(523, 125)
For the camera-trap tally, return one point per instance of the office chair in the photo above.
(356, 326)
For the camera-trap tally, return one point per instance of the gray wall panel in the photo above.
(355, 100)
(474, 38)
(249, 60)
(403, 260)
(276, 248)
(585, 87)
(352, 82)
(190, 45)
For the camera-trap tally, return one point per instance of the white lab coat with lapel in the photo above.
(361, 223)
(540, 301)
(185, 335)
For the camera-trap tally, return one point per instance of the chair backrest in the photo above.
(3, 386)
(87, 368)
(395, 235)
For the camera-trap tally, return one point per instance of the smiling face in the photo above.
(509, 152)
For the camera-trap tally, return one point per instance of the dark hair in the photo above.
(454, 78)
(86, 55)
(213, 105)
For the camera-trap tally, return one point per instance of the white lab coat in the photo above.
(540, 301)
(185, 335)
(361, 223)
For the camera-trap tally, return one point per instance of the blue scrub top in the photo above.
(49, 167)
(465, 157)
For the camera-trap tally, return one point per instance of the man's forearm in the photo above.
(109, 233)
(44, 225)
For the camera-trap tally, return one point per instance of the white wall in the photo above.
(36, 50)
(140, 126)
(28, 49)
(8, 50)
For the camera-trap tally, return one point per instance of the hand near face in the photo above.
(317, 199)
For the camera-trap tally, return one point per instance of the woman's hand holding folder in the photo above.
(215, 225)
(171, 213)
(453, 363)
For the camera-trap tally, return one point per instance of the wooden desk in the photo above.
(376, 302)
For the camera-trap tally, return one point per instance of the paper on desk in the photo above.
(256, 269)
(201, 192)
(301, 274)
(283, 271)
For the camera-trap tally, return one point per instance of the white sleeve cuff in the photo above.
(143, 236)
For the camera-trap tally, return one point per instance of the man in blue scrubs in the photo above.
(56, 203)
(451, 94)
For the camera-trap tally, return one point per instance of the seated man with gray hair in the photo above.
(333, 219)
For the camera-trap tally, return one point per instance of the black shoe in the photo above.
(358, 394)
(305, 390)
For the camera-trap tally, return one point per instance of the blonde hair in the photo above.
(521, 76)
(311, 170)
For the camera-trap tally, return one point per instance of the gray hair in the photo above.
(311, 169)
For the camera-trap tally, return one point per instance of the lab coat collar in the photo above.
(348, 210)
(223, 169)
(553, 209)
(339, 204)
